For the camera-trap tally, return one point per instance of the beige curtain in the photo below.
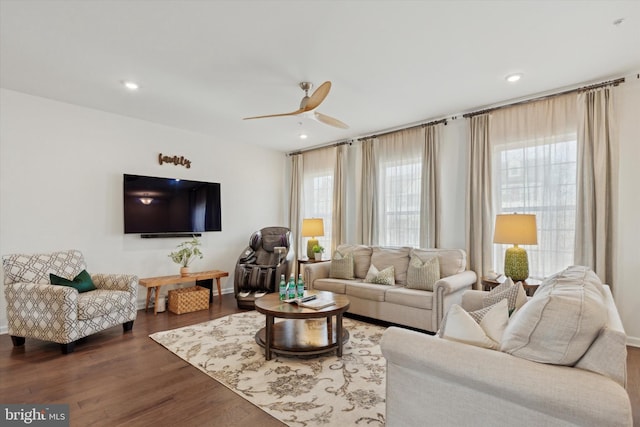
(534, 171)
(430, 201)
(295, 205)
(368, 182)
(479, 215)
(597, 170)
(339, 219)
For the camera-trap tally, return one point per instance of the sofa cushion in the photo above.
(452, 261)
(341, 266)
(560, 322)
(337, 286)
(383, 277)
(361, 258)
(383, 257)
(82, 282)
(482, 328)
(423, 273)
(409, 297)
(368, 291)
(100, 302)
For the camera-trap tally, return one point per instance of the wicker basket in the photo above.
(186, 300)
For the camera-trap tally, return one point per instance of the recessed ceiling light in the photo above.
(131, 85)
(512, 78)
(303, 136)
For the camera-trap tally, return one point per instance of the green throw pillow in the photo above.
(82, 282)
(423, 274)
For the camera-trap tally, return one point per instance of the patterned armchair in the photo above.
(38, 309)
(260, 265)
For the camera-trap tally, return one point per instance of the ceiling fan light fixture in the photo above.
(130, 85)
(512, 78)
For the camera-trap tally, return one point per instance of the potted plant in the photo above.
(317, 252)
(187, 252)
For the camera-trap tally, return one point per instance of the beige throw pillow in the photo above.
(341, 266)
(423, 274)
(514, 294)
(482, 328)
(384, 277)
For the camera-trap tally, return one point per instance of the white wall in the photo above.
(627, 287)
(61, 170)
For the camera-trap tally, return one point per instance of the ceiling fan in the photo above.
(310, 103)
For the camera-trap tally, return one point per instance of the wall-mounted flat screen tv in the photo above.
(164, 205)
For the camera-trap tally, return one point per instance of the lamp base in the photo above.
(310, 244)
(516, 264)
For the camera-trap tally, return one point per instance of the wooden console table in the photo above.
(157, 282)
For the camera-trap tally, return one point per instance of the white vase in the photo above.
(318, 256)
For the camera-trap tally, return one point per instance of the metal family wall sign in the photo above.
(175, 160)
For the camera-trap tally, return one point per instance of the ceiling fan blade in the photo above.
(318, 96)
(327, 120)
(293, 113)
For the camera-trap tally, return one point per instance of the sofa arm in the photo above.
(497, 389)
(316, 270)
(448, 291)
(472, 300)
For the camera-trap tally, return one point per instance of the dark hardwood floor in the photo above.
(116, 379)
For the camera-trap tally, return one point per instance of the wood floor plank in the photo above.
(116, 379)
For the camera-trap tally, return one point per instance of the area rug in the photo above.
(311, 391)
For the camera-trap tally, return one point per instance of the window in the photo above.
(540, 179)
(318, 203)
(400, 221)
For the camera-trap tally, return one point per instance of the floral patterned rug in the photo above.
(311, 391)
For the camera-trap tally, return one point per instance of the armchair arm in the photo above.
(490, 383)
(472, 299)
(116, 282)
(317, 270)
(42, 311)
(448, 291)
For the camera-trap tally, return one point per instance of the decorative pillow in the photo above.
(482, 328)
(423, 274)
(559, 323)
(384, 277)
(398, 257)
(341, 266)
(82, 282)
(514, 294)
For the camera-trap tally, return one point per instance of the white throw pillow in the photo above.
(482, 328)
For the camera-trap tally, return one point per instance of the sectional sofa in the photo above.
(398, 302)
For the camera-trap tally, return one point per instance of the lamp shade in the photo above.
(312, 227)
(516, 229)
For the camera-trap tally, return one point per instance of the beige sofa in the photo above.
(422, 309)
(434, 381)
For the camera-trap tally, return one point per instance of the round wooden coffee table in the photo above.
(306, 331)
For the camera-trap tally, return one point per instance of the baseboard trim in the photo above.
(633, 341)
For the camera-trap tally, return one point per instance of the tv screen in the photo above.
(164, 205)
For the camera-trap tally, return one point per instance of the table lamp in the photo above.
(516, 229)
(312, 227)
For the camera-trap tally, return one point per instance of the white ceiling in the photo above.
(203, 65)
